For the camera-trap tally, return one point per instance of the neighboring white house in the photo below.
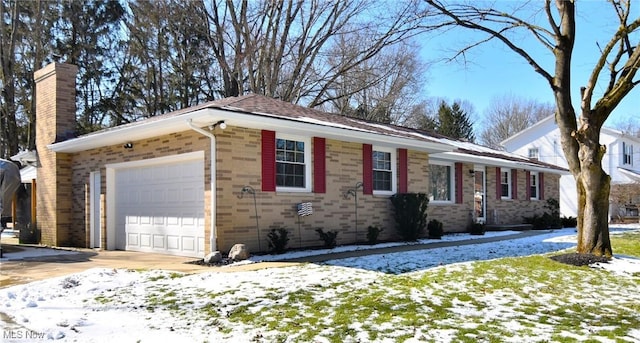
(542, 141)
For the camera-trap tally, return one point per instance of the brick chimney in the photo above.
(55, 121)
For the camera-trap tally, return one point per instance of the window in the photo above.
(627, 154)
(533, 186)
(293, 172)
(534, 154)
(505, 181)
(441, 178)
(384, 164)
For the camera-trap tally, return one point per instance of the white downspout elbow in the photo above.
(212, 138)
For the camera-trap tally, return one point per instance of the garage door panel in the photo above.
(188, 243)
(173, 242)
(159, 241)
(162, 208)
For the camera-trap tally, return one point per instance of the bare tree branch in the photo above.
(460, 20)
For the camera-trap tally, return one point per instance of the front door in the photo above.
(479, 195)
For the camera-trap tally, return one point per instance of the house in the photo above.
(621, 161)
(24, 203)
(204, 178)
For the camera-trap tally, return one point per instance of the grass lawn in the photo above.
(530, 299)
(515, 299)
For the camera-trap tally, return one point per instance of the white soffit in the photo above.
(493, 161)
(207, 116)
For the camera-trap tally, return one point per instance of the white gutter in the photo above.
(493, 161)
(212, 138)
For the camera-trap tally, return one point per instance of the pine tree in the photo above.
(454, 122)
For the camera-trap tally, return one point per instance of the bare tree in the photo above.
(282, 49)
(509, 114)
(617, 67)
(9, 37)
(25, 42)
(624, 197)
(630, 126)
(384, 89)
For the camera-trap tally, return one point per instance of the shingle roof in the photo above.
(259, 105)
(265, 106)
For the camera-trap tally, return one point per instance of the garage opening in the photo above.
(159, 205)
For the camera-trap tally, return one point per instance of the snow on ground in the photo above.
(105, 305)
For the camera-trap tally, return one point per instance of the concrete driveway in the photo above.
(74, 260)
(40, 266)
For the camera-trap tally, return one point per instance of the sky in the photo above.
(492, 70)
(125, 305)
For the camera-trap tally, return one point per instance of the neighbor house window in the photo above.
(441, 178)
(383, 161)
(293, 170)
(534, 154)
(627, 154)
(505, 182)
(533, 186)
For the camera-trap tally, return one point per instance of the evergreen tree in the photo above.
(454, 122)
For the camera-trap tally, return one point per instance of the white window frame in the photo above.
(534, 175)
(452, 182)
(627, 154)
(307, 163)
(509, 186)
(534, 153)
(392, 156)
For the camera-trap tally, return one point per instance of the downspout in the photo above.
(212, 138)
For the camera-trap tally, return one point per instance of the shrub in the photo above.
(569, 221)
(548, 220)
(278, 240)
(329, 238)
(435, 229)
(372, 234)
(410, 214)
(537, 222)
(553, 215)
(477, 229)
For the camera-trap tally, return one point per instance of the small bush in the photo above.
(410, 214)
(372, 234)
(329, 238)
(536, 222)
(435, 229)
(569, 221)
(548, 220)
(545, 221)
(278, 240)
(477, 229)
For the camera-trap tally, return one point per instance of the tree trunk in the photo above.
(593, 215)
(593, 186)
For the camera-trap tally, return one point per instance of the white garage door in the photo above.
(160, 208)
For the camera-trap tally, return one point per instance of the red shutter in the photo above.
(514, 184)
(367, 169)
(498, 184)
(528, 177)
(541, 185)
(268, 161)
(403, 173)
(319, 165)
(458, 180)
